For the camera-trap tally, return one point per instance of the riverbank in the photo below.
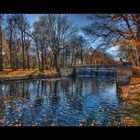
(8, 75)
(130, 93)
(131, 108)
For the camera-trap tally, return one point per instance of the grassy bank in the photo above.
(25, 73)
(131, 108)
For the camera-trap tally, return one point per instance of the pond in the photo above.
(59, 102)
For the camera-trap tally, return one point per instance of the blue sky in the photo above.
(78, 19)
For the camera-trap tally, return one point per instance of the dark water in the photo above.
(59, 102)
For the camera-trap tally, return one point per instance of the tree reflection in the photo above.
(73, 92)
(54, 98)
(2, 104)
(55, 101)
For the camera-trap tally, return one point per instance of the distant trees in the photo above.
(121, 30)
(75, 52)
(98, 58)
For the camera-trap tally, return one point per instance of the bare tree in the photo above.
(60, 32)
(10, 31)
(52, 32)
(76, 50)
(22, 26)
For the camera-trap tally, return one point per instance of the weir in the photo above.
(96, 72)
(122, 75)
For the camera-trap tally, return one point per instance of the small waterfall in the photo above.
(96, 72)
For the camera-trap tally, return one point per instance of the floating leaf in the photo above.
(81, 124)
(2, 120)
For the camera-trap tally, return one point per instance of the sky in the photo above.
(78, 19)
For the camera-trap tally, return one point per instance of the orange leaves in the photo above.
(135, 80)
(21, 72)
(18, 125)
(49, 72)
(115, 123)
(124, 94)
(132, 42)
(25, 73)
(136, 73)
(45, 72)
(18, 109)
(2, 120)
(128, 121)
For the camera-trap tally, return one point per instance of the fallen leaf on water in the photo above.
(128, 121)
(81, 124)
(114, 123)
(18, 109)
(2, 120)
(18, 125)
(53, 124)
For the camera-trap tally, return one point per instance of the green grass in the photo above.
(136, 91)
(133, 108)
(136, 118)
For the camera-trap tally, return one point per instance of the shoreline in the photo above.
(9, 79)
(21, 75)
(130, 94)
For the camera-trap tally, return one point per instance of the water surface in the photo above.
(59, 102)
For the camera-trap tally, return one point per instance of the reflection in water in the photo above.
(59, 101)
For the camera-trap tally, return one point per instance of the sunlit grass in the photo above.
(25, 73)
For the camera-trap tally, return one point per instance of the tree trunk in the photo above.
(37, 51)
(23, 52)
(55, 62)
(42, 58)
(28, 62)
(10, 48)
(51, 62)
(137, 39)
(1, 56)
(27, 56)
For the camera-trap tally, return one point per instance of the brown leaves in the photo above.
(128, 121)
(2, 120)
(132, 42)
(135, 80)
(124, 93)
